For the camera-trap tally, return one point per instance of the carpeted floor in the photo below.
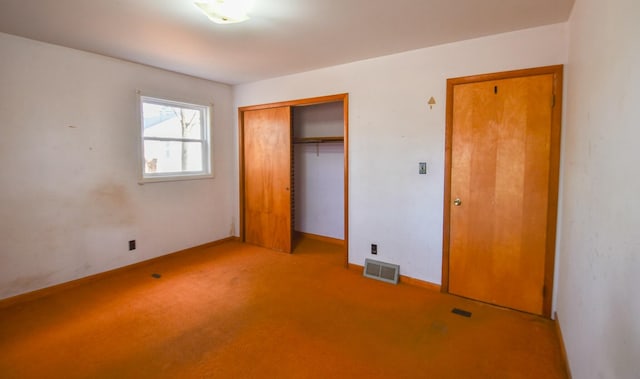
(240, 311)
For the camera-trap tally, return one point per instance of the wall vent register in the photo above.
(385, 272)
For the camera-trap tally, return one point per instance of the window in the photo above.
(175, 140)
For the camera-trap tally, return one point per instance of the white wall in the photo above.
(599, 273)
(392, 129)
(319, 170)
(69, 198)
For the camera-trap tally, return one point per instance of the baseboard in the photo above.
(563, 350)
(419, 283)
(404, 279)
(28, 296)
(317, 237)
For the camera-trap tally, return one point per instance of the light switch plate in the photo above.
(422, 168)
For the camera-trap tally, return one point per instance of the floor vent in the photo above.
(461, 312)
(386, 272)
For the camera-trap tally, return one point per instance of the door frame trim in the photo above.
(554, 171)
(342, 97)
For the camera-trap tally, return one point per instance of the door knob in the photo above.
(457, 202)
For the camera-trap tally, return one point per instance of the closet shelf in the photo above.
(318, 139)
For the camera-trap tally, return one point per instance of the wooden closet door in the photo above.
(500, 180)
(267, 178)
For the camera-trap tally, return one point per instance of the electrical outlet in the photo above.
(132, 245)
(374, 249)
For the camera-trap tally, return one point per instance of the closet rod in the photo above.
(318, 140)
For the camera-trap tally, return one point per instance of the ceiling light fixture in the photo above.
(225, 11)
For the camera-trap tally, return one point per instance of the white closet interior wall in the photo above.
(319, 170)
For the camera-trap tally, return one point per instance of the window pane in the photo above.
(163, 157)
(171, 121)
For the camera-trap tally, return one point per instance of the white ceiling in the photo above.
(282, 37)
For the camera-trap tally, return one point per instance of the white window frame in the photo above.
(207, 155)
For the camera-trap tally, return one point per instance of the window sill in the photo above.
(161, 179)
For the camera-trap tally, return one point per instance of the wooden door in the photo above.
(267, 177)
(503, 190)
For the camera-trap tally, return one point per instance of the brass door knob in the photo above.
(457, 202)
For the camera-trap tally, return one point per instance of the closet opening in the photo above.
(294, 172)
(318, 172)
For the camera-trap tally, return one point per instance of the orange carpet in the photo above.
(240, 311)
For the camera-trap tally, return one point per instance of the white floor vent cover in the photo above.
(386, 272)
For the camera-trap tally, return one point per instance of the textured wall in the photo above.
(69, 193)
(599, 241)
